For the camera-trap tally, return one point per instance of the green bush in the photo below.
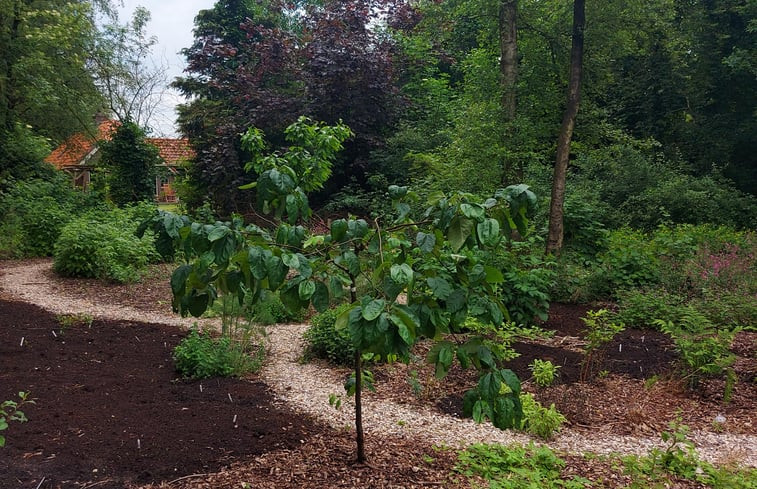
(638, 187)
(200, 356)
(103, 245)
(32, 214)
(528, 279)
(543, 372)
(326, 342)
(704, 349)
(630, 260)
(270, 310)
(640, 307)
(538, 420)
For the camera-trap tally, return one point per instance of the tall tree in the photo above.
(131, 83)
(556, 228)
(45, 87)
(508, 61)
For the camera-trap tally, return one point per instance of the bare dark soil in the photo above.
(110, 408)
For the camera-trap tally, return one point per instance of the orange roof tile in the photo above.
(76, 149)
(173, 151)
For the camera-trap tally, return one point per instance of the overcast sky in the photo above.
(171, 22)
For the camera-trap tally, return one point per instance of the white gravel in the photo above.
(307, 387)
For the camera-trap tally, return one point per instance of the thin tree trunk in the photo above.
(358, 389)
(359, 407)
(556, 229)
(508, 61)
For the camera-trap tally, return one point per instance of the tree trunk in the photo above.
(556, 230)
(359, 407)
(358, 388)
(508, 61)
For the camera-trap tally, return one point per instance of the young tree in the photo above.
(556, 230)
(131, 163)
(433, 262)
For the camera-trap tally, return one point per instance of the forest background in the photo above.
(464, 95)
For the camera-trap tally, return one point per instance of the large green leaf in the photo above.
(473, 211)
(352, 262)
(511, 380)
(258, 266)
(373, 309)
(459, 231)
(306, 290)
(402, 274)
(338, 229)
(493, 275)
(439, 287)
(488, 232)
(489, 385)
(426, 242)
(197, 304)
(179, 279)
(320, 297)
(172, 223)
(396, 192)
(218, 232)
(277, 271)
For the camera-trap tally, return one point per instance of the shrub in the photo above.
(32, 214)
(640, 307)
(630, 260)
(326, 342)
(200, 356)
(538, 420)
(704, 350)
(103, 245)
(544, 372)
(599, 332)
(528, 278)
(640, 188)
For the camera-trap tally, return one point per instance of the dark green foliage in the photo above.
(270, 310)
(131, 163)
(325, 341)
(200, 356)
(21, 154)
(104, 245)
(528, 278)
(33, 212)
(633, 185)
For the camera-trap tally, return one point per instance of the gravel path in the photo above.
(307, 387)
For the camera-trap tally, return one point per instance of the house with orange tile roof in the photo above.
(79, 154)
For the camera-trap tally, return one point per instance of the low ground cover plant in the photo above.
(516, 467)
(201, 355)
(679, 459)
